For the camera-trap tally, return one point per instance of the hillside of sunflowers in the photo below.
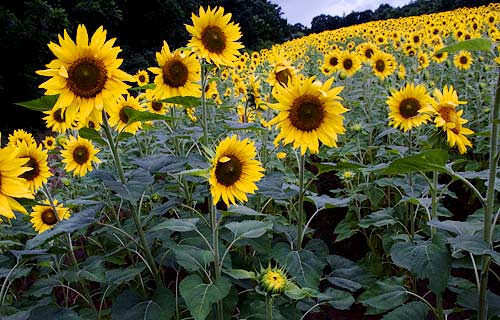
(348, 174)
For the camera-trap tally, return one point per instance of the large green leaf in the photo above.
(384, 295)
(119, 276)
(474, 244)
(426, 259)
(180, 225)
(325, 201)
(379, 218)
(482, 44)
(41, 104)
(248, 229)
(428, 160)
(415, 310)
(130, 305)
(186, 101)
(347, 227)
(200, 296)
(137, 115)
(192, 258)
(91, 134)
(347, 274)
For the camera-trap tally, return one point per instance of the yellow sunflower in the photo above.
(37, 161)
(234, 170)
(78, 155)
(85, 74)
(11, 184)
(18, 136)
(57, 121)
(332, 60)
(49, 143)
(423, 60)
(141, 77)
(462, 60)
(214, 38)
(282, 73)
(153, 104)
(273, 280)
(118, 118)
(349, 63)
(309, 112)
(383, 64)
(93, 121)
(439, 57)
(44, 218)
(407, 105)
(401, 72)
(177, 74)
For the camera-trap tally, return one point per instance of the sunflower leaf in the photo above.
(249, 229)
(428, 160)
(137, 115)
(41, 104)
(414, 310)
(91, 134)
(186, 101)
(470, 45)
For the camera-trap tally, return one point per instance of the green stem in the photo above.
(135, 213)
(300, 209)
(439, 297)
(490, 202)
(204, 115)
(269, 308)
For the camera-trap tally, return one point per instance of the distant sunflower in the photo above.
(37, 161)
(11, 184)
(401, 72)
(423, 60)
(85, 74)
(57, 121)
(118, 118)
(234, 170)
(153, 104)
(49, 143)
(177, 74)
(407, 105)
(439, 57)
(44, 218)
(462, 60)
(141, 77)
(273, 280)
(78, 155)
(349, 63)
(366, 50)
(332, 60)
(19, 136)
(309, 112)
(383, 64)
(214, 38)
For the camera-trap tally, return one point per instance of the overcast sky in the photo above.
(303, 11)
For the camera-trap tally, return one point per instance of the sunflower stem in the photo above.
(269, 307)
(135, 213)
(300, 212)
(204, 115)
(490, 203)
(434, 187)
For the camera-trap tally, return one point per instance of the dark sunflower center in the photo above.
(334, 61)
(491, 19)
(175, 73)
(380, 65)
(34, 172)
(213, 39)
(283, 76)
(87, 77)
(307, 113)
(123, 115)
(156, 106)
(347, 64)
(48, 217)
(81, 155)
(439, 55)
(58, 116)
(463, 60)
(228, 172)
(448, 114)
(91, 124)
(369, 53)
(459, 33)
(142, 78)
(50, 142)
(416, 39)
(409, 107)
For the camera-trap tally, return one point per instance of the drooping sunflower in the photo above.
(78, 155)
(44, 218)
(282, 73)
(214, 38)
(462, 60)
(383, 64)
(407, 107)
(11, 184)
(93, 121)
(449, 119)
(37, 161)
(19, 136)
(49, 143)
(349, 63)
(310, 112)
(85, 74)
(177, 74)
(57, 121)
(141, 77)
(118, 118)
(234, 170)
(273, 280)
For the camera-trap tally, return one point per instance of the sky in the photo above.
(303, 11)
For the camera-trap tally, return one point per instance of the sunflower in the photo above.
(37, 161)
(11, 184)
(234, 170)
(332, 60)
(177, 74)
(153, 104)
(439, 57)
(423, 60)
(449, 119)
(349, 63)
(383, 64)
(78, 155)
(462, 60)
(283, 72)
(93, 121)
(214, 38)
(141, 77)
(309, 112)
(118, 118)
(407, 105)
(49, 143)
(43, 217)
(273, 280)
(57, 121)
(85, 74)
(366, 50)
(19, 136)
(401, 71)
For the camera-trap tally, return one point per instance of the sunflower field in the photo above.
(350, 174)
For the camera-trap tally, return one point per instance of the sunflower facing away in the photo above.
(37, 161)
(273, 280)
(11, 184)
(449, 119)
(234, 170)
(118, 118)
(176, 75)
(43, 217)
(407, 107)
(18, 136)
(78, 155)
(85, 74)
(214, 38)
(309, 112)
